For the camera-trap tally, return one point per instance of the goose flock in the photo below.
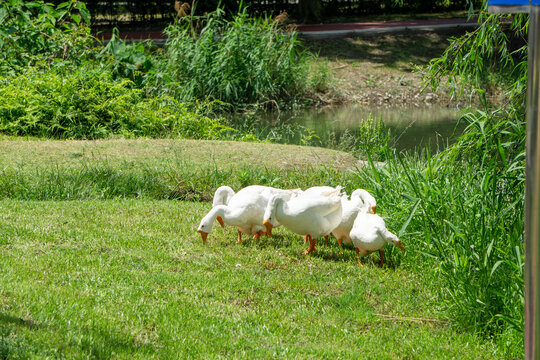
(316, 212)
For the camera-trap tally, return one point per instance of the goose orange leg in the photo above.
(340, 246)
(305, 239)
(358, 256)
(381, 254)
(239, 237)
(311, 245)
(326, 240)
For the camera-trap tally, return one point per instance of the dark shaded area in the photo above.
(97, 342)
(6, 319)
(143, 12)
(391, 50)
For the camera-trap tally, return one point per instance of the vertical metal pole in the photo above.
(532, 194)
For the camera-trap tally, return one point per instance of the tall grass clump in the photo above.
(176, 180)
(239, 61)
(462, 212)
(463, 208)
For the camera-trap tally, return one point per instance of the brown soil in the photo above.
(385, 70)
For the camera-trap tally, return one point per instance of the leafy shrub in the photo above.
(88, 104)
(240, 61)
(36, 31)
(130, 61)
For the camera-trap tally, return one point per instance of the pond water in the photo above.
(411, 128)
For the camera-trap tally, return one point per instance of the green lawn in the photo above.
(124, 275)
(164, 169)
(132, 279)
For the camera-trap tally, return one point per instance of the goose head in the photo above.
(207, 222)
(393, 239)
(269, 218)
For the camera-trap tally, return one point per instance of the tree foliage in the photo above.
(36, 31)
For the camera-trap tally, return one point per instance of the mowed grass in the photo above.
(121, 272)
(155, 153)
(159, 169)
(132, 279)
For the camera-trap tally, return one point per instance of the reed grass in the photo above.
(463, 209)
(238, 61)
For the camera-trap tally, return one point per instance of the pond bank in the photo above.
(385, 70)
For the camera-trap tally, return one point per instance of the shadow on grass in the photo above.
(97, 342)
(104, 343)
(6, 319)
(287, 243)
(389, 50)
(331, 252)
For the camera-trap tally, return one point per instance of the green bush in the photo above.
(88, 104)
(127, 61)
(35, 31)
(242, 61)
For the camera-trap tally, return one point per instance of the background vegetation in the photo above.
(141, 11)
(239, 61)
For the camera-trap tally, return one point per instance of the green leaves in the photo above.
(89, 104)
(31, 32)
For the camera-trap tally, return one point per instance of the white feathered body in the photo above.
(361, 201)
(245, 209)
(307, 214)
(369, 233)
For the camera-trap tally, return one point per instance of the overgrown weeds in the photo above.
(239, 61)
(34, 32)
(462, 209)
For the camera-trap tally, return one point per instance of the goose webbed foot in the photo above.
(312, 242)
(258, 235)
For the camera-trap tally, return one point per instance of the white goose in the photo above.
(222, 196)
(318, 191)
(244, 210)
(369, 233)
(361, 201)
(308, 215)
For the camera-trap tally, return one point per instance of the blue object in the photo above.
(512, 2)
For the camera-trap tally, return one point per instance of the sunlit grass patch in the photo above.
(132, 278)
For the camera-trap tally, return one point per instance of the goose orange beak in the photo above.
(220, 221)
(268, 227)
(204, 235)
(374, 209)
(400, 245)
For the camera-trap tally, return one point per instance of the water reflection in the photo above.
(411, 128)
